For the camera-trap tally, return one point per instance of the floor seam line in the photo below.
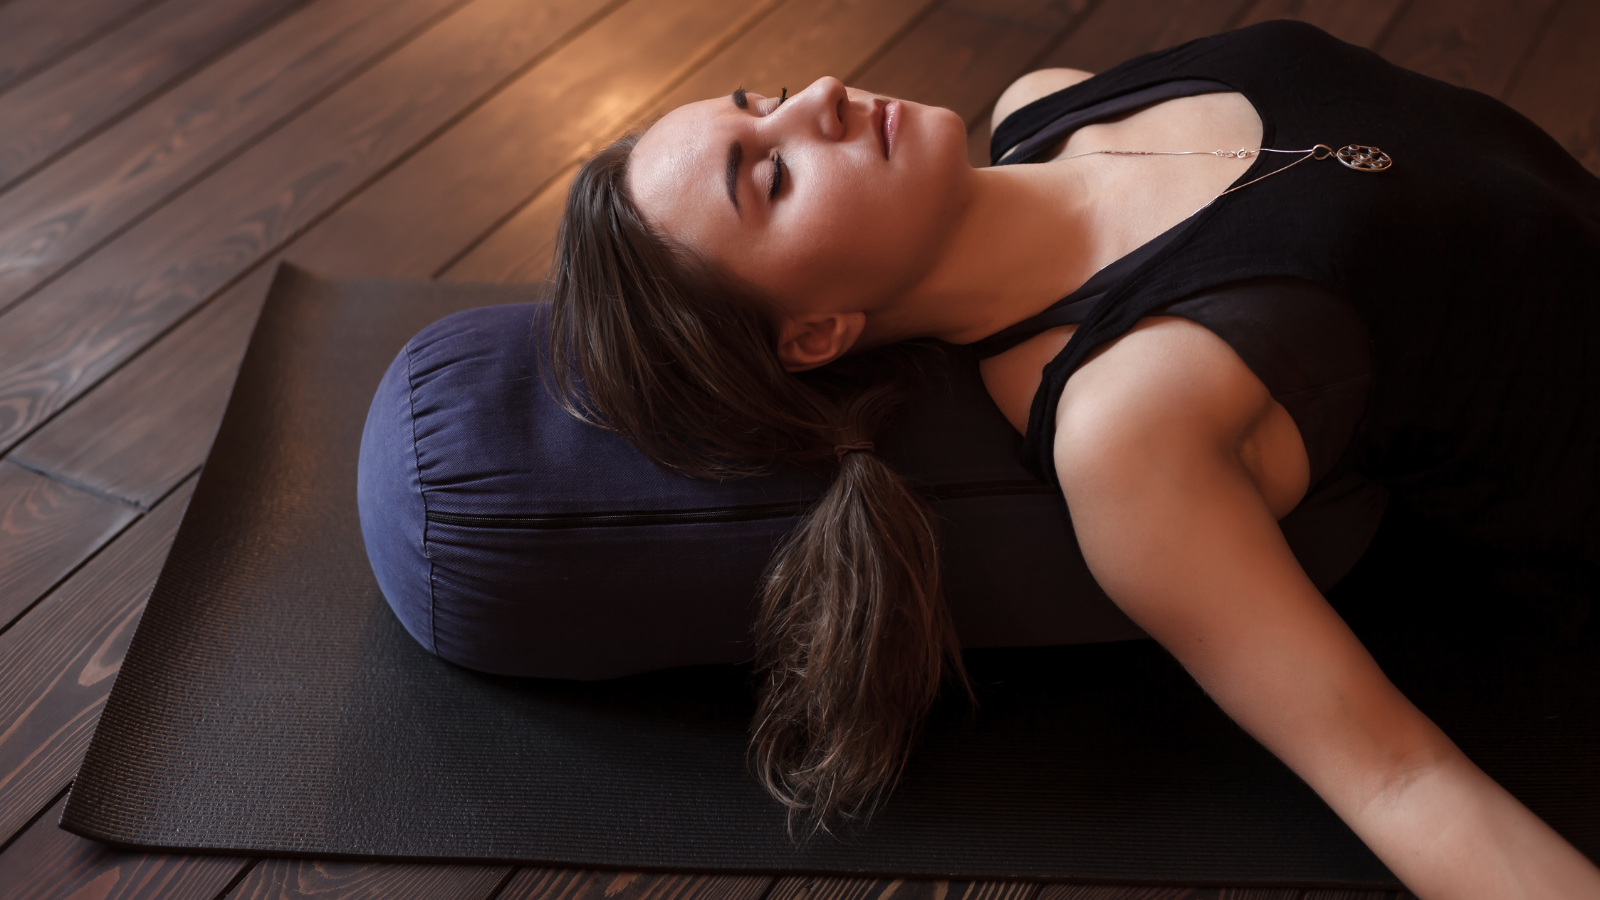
(77, 485)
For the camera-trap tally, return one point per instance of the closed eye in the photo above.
(777, 178)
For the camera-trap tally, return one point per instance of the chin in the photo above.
(942, 140)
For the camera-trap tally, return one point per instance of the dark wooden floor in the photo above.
(157, 156)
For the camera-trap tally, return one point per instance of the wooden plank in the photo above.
(583, 884)
(57, 664)
(47, 863)
(1125, 892)
(829, 888)
(409, 223)
(1560, 88)
(46, 530)
(101, 81)
(1113, 32)
(520, 249)
(64, 339)
(965, 53)
(1471, 43)
(1357, 21)
(795, 44)
(150, 424)
(102, 186)
(419, 217)
(289, 879)
(35, 33)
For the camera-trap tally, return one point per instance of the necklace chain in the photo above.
(1360, 157)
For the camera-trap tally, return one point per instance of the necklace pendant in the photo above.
(1363, 158)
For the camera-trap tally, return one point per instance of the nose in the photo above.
(821, 106)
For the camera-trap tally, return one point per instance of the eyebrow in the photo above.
(735, 157)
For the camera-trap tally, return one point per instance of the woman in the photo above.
(718, 274)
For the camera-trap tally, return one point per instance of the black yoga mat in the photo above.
(271, 704)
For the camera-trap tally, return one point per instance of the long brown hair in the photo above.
(853, 638)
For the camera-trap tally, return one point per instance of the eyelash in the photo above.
(777, 160)
(777, 177)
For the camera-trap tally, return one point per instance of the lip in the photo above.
(886, 119)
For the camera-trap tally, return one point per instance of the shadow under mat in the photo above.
(271, 704)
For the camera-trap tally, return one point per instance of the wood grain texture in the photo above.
(47, 863)
(962, 55)
(409, 223)
(797, 44)
(421, 215)
(802, 887)
(519, 249)
(1471, 43)
(102, 186)
(46, 529)
(35, 33)
(1357, 21)
(304, 879)
(1113, 32)
(116, 441)
(65, 338)
(1560, 86)
(58, 663)
(584, 884)
(1126, 892)
(808, 40)
(98, 83)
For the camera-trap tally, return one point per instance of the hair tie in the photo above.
(840, 450)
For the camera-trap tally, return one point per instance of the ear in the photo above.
(806, 342)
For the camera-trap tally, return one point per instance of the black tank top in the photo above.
(1305, 344)
(1472, 266)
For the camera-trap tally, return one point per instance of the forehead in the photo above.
(675, 168)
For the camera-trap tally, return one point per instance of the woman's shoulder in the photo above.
(1173, 388)
(1169, 385)
(1164, 365)
(1033, 86)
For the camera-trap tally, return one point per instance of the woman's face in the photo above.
(833, 200)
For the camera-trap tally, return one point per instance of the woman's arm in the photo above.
(1159, 459)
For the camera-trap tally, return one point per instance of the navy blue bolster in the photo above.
(511, 538)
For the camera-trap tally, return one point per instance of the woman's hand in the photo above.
(1173, 460)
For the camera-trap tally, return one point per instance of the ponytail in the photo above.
(855, 639)
(853, 636)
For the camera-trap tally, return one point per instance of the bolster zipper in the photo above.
(748, 513)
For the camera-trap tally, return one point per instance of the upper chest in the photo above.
(1136, 197)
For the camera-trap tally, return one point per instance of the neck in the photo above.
(1025, 239)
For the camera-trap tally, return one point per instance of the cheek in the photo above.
(857, 231)
(876, 225)
(851, 243)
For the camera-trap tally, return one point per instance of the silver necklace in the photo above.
(1359, 157)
